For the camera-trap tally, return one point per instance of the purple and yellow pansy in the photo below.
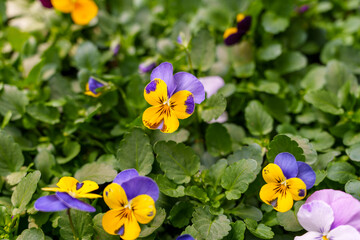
(185, 237)
(132, 201)
(67, 193)
(234, 34)
(172, 97)
(286, 180)
(92, 87)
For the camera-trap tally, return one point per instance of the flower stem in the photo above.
(71, 224)
(189, 59)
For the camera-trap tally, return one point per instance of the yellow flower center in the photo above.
(73, 194)
(325, 238)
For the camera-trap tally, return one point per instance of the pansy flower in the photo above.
(82, 11)
(91, 87)
(172, 97)
(66, 196)
(46, 3)
(233, 35)
(132, 201)
(330, 215)
(287, 180)
(185, 237)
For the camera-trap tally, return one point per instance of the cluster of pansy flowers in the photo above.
(82, 11)
(233, 35)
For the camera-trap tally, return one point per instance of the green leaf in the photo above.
(87, 56)
(237, 231)
(14, 100)
(314, 79)
(50, 115)
(337, 74)
(179, 136)
(135, 152)
(178, 161)
(269, 52)
(308, 149)
(70, 149)
(253, 151)
(11, 157)
(215, 172)
(44, 161)
(353, 187)
(341, 172)
(16, 38)
(180, 214)
(320, 176)
(218, 141)
(258, 121)
(15, 177)
(99, 230)
(273, 23)
(213, 108)
(288, 221)
(237, 177)
(154, 224)
(325, 101)
(196, 192)
(283, 143)
(354, 152)
(31, 234)
(168, 187)
(83, 225)
(351, 138)
(34, 76)
(237, 135)
(259, 230)
(203, 51)
(209, 226)
(245, 211)
(323, 141)
(290, 62)
(24, 191)
(97, 172)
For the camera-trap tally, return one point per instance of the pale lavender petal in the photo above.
(212, 84)
(125, 175)
(141, 185)
(316, 216)
(49, 204)
(344, 232)
(165, 72)
(307, 174)
(223, 118)
(328, 196)
(187, 81)
(287, 162)
(74, 203)
(147, 67)
(310, 236)
(185, 237)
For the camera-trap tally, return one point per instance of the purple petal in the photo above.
(125, 176)
(93, 85)
(187, 81)
(190, 105)
(145, 68)
(233, 38)
(345, 207)
(344, 232)
(179, 40)
(316, 216)
(116, 49)
(141, 185)
(165, 72)
(302, 9)
(287, 162)
(185, 237)
(74, 203)
(46, 3)
(307, 174)
(49, 204)
(212, 84)
(310, 236)
(244, 25)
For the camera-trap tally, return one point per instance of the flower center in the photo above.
(128, 206)
(73, 194)
(284, 183)
(167, 102)
(324, 238)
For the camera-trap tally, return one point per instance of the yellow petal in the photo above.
(229, 32)
(53, 189)
(65, 6)
(131, 228)
(297, 188)
(182, 103)
(240, 17)
(115, 196)
(171, 122)
(68, 184)
(88, 195)
(155, 93)
(90, 93)
(272, 173)
(86, 187)
(153, 116)
(84, 11)
(284, 202)
(144, 208)
(269, 193)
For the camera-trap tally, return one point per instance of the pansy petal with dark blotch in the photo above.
(155, 93)
(187, 81)
(154, 116)
(183, 104)
(165, 72)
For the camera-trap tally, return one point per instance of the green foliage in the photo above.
(214, 107)
(82, 221)
(218, 140)
(258, 121)
(97, 172)
(11, 157)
